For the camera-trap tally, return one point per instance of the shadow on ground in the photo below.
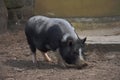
(29, 65)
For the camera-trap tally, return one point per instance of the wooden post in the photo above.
(3, 17)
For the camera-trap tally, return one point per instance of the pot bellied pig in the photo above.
(55, 34)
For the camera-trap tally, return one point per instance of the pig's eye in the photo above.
(76, 53)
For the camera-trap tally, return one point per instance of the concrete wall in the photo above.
(77, 8)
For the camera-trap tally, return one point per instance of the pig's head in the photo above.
(72, 51)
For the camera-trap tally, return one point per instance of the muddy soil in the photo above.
(16, 63)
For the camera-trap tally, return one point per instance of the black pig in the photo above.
(55, 34)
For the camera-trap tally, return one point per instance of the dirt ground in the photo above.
(16, 63)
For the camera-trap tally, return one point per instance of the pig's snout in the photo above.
(78, 65)
(81, 63)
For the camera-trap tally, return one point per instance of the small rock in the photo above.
(18, 69)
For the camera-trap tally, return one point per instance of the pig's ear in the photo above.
(65, 37)
(83, 40)
(69, 42)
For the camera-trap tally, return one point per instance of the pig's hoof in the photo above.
(50, 61)
(36, 65)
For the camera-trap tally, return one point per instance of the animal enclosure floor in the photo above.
(16, 63)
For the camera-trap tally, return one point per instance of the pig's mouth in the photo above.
(80, 66)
